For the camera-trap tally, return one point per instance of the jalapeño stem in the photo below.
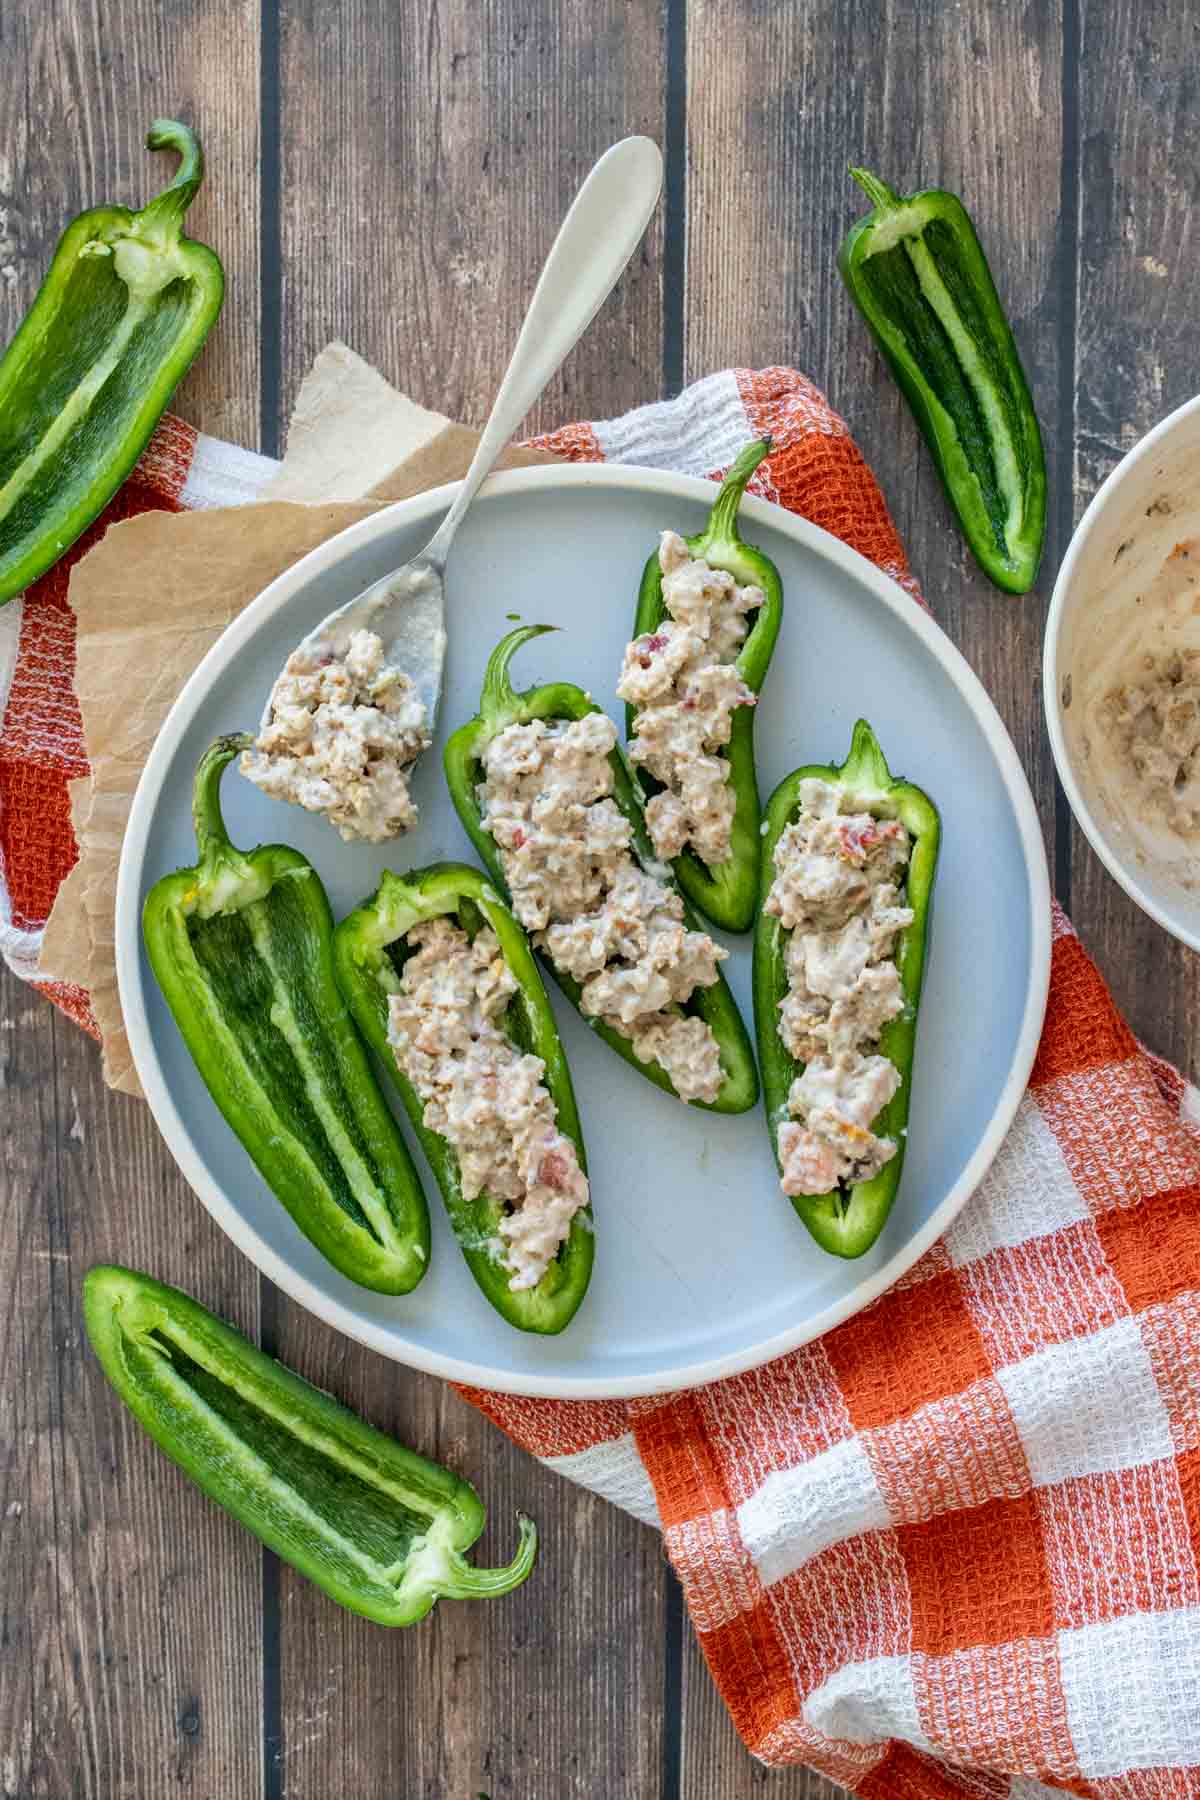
(499, 695)
(866, 765)
(461, 1580)
(878, 192)
(722, 521)
(163, 216)
(211, 835)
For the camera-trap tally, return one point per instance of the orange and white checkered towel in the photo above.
(952, 1548)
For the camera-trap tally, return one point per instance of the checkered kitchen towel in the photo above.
(953, 1548)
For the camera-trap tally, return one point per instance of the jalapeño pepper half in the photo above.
(847, 1220)
(499, 707)
(369, 953)
(728, 893)
(242, 948)
(378, 1527)
(917, 273)
(124, 308)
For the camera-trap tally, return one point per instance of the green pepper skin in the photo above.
(380, 1529)
(242, 947)
(847, 1222)
(917, 273)
(125, 306)
(499, 707)
(728, 893)
(367, 974)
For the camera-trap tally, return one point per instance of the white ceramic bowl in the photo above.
(1148, 505)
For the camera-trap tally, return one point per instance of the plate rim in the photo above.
(167, 1117)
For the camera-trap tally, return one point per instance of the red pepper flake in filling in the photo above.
(647, 648)
(860, 836)
(552, 1171)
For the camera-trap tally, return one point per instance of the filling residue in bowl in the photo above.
(1143, 715)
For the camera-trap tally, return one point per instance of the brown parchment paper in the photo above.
(157, 592)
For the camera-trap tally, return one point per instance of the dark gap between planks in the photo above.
(674, 275)
(270, 333)
(1068, 323)
(674, 250)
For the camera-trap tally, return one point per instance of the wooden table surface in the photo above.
(392, 174)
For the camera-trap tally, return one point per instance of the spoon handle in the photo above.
(594, 243)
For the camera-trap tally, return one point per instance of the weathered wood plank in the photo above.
(93, 78)
(443, 144)
(430, 152)
(929, 96)
(130, 1637)
(1139, 352)
(555, 1690)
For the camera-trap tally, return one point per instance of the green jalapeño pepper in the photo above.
(124, 308)
(847, 1220)
(369, 956)
(378, 1527)
(727, 893)
(242, 948)
(917, 273)
(499, 707)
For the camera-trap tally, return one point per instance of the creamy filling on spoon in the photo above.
(343, 731)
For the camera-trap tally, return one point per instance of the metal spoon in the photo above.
(596, 240)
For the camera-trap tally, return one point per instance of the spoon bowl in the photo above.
(606, 222)
(406, 611)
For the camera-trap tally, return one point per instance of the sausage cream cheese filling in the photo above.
(836, 891)
(343, 732)
(482, 1094)
(683, 680)
(1153, 723)
(565, 847)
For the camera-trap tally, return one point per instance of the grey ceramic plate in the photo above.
(702, 1268)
